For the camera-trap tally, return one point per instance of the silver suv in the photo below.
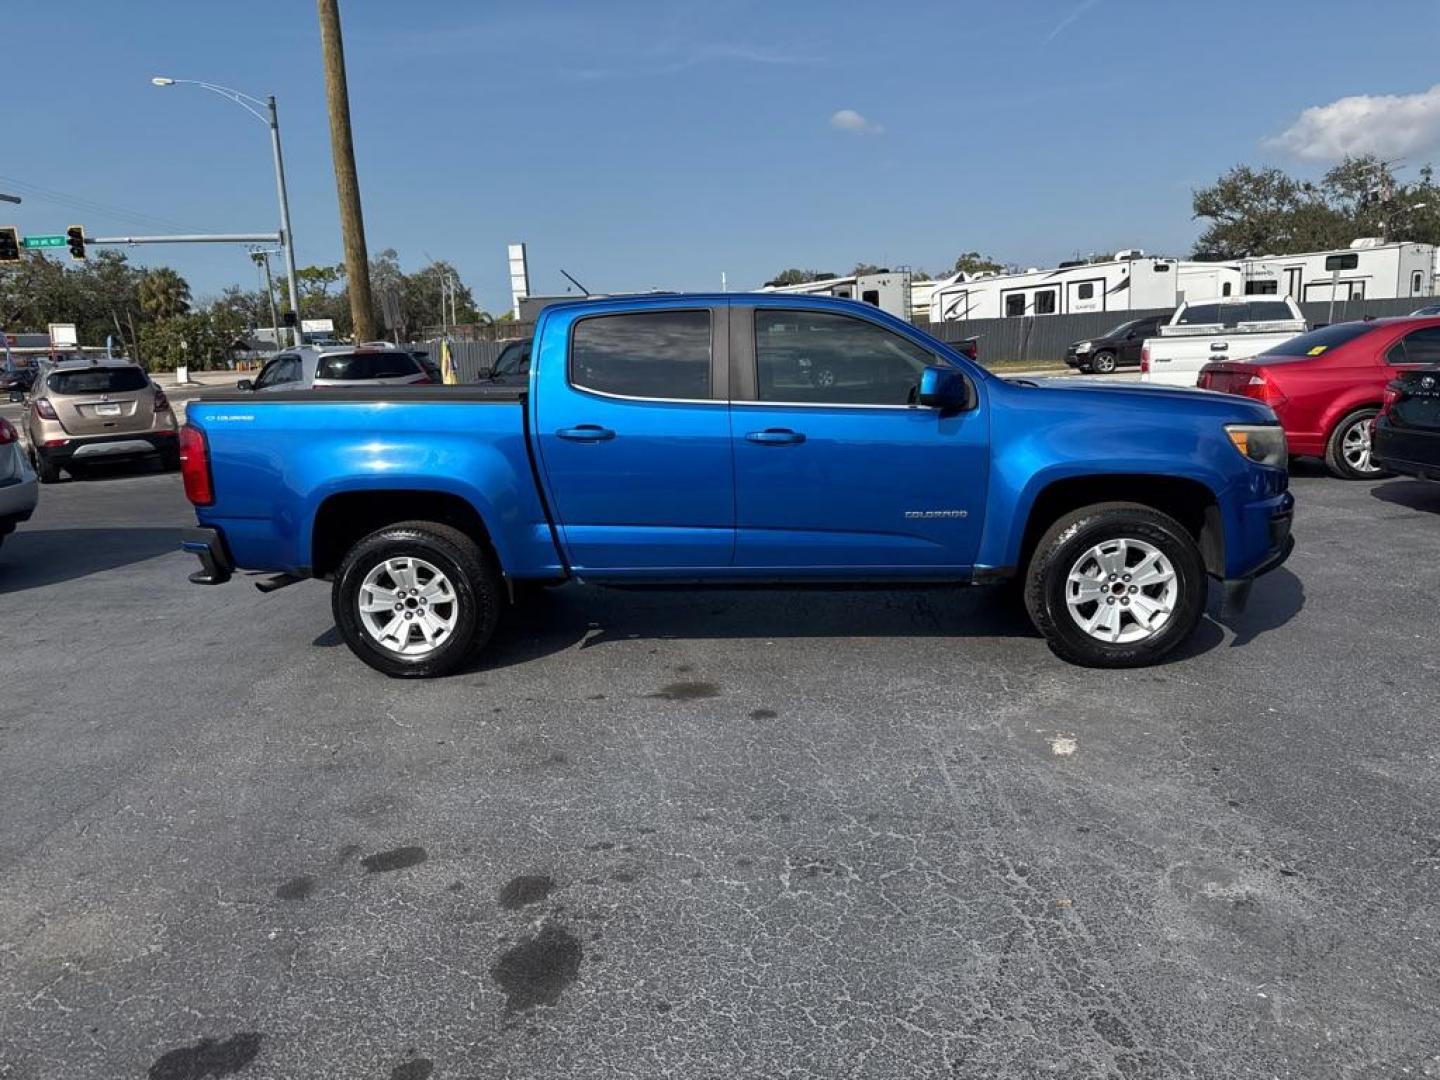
(375, 363)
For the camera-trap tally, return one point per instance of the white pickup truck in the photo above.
(1222, 329)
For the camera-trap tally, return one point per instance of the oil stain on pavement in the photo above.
(537, 971)
(395, 859)
(208, 1058)
(687, 691)
(526, 889)
(297, 888)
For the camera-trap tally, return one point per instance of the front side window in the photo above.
(813, 357)
(644, 354)
(280, 370)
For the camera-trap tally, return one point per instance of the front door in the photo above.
(634, 435)
(835, 469)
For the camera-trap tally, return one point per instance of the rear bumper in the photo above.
(208, 545)
(1414, 453)
(110, 447)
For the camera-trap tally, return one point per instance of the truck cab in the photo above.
(1211, 331)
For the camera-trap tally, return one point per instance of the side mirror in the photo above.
(245, 384)
(944, 388)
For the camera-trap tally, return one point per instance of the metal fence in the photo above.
(1031, 339)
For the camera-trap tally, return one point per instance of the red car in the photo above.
(1327, 385)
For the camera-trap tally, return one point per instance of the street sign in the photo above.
(43, 241)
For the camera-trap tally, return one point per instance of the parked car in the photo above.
(83, 412)
(17, 379)
(371, 364)
(1119, 347)
(1407, 431)
(655, 448)
(19, 490)
(1327, 386)
(1206, 331)
(512, 366)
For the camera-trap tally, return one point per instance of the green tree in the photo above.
(1266, 211)
(972, 262)
(795, 276)
(164, 294)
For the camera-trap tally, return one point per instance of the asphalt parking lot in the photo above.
(732, 834)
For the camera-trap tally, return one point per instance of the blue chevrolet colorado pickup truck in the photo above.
(680, 440)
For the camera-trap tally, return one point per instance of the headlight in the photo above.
(1082, 346)
(1262, 443)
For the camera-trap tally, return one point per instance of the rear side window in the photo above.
(1417, 347)
(376, 365)
(1318, 341)
(644, 354)
(99, 380)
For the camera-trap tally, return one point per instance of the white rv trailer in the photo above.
(888, 290)
(1381, 272)
(1129, 282)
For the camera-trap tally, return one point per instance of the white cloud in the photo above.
(851, 121)
(1388, 125)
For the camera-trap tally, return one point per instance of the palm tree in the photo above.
(164, 294)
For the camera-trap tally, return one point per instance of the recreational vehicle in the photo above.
(888, 290)
(1129, 282)
(1369, 269)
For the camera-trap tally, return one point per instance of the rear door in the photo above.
(633, 428)
(838, 476)
(102, 400)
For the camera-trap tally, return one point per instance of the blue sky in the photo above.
(643, 145)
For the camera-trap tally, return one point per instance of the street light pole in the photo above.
(271, 119)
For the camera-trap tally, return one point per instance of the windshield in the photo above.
(1123, 328)
(99, 380)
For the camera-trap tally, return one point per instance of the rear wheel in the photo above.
(416, 599)
(1115, 585)
(47, 471)
(1347, 453)
(1103, 363)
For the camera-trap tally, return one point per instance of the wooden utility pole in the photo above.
(347, 184)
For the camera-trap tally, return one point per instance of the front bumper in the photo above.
(110, 447)
(208, 545)
(1237, 589)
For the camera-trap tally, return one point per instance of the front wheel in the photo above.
(1347, 453)
(414, 600)
(1115, 585)
(1103, 363)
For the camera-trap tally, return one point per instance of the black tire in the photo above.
(478, 596)
(1102, 363)
(47, 471)
(1067, 542)
(1335, 459)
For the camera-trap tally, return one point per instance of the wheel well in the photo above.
(344, 519)
(1189, 502)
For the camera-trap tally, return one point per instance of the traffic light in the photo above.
(75, 239)
(9, 244)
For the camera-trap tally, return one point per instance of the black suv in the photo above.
(1102, 355)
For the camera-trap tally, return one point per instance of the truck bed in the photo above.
(275, 459)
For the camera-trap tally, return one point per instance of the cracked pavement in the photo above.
(799, 834)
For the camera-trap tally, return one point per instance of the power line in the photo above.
(92, 206)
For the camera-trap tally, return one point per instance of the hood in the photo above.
(1132, 395)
